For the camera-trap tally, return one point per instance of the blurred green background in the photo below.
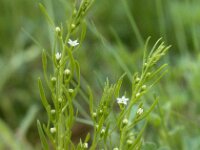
(125, 25)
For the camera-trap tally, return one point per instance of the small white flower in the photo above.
(139, 111)
(122, 100)
(73, 43)
(52, 130)
(58, 56)
(85, 145)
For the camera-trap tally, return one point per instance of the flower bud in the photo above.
(137, 80)
(144, 87)
(145, 64)
(53, 80)
(53, 111)
(70, 91)
(129, 142)
(53, 130)
(148, 74)
(97, 126)
(125, 121)
(59, 99)
(73, 25)
(94, 114)
(102, 132)
(100, 111)
(57, 29)
(74, 12)
(67, 72)
(137, 95)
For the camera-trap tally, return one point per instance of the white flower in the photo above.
(122, 100)
(139, 111)
(58, 56)
(73, 43)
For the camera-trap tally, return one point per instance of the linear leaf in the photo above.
(42, 136)
(43, 97)
(49, 20)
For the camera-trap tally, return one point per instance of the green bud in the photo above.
(53, 80)
(70, 91)
(94, 114)
(137, 95)
(59, 99)
(137, 80)
(58, 30)
(67, 72)
(53, 130)
(148, 74)
(73, 25)
(125, 122)
(102, 132)
(129, 142)
(144, 87)
(53, 111)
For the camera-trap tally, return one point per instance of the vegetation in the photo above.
(98, 88)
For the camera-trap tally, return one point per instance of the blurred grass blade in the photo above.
(133, 23)
(49, 20)
(7, 137)
(27, 121)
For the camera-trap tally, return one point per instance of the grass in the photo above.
(173, 125)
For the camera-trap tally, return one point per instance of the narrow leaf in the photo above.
(42, 136)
